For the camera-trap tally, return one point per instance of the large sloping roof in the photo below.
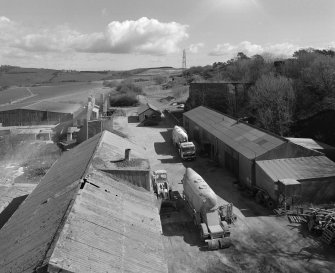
(146, 107)
(298, 168)
(243, 138)
(310, 143)
(44, 105)
(121, 234)
(82, 219)
(26, 238)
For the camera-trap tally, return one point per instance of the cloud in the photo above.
(194, 48)
(148, 36)
(229, 50)
(143, 36)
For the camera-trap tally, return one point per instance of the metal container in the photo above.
(198, 192)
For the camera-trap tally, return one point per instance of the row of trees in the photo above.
(283, 91)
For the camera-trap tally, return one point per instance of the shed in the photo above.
(312, 144)
(148, 111)
(233, 143)
(40, 112)
(315, 173)
(83, 219)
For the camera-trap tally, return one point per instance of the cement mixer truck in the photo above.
(212, 220)
(185, 148)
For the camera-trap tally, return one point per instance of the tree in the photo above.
(272, 100)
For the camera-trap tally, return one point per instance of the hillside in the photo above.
(18, 76)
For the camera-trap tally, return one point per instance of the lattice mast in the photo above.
(183, 66)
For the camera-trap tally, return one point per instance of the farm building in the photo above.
(38, 113)
(148, 111)
(309, 143)
(221, 96)
(82, 217)
(236, 145)
(316, 175)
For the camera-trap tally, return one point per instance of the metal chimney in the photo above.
(127, 154)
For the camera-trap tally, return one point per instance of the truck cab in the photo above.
(187, 150)
(161, 185)
(214, 230)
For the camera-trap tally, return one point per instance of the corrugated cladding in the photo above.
(121, 234)
(311, 143)
(26, 237)
(245, 139)
(50, 106)
(108, 226)
(298, 168)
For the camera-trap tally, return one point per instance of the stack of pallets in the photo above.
(322, 221)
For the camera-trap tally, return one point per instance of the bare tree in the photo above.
(272, 98)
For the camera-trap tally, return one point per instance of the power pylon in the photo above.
(183, 66)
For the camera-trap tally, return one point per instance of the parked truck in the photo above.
(186, 149)
(161, 184)
(212, 220)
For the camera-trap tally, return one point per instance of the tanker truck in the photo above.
(201, 202)
(185, 148)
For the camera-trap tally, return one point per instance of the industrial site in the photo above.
(160, 188)
(167, 136)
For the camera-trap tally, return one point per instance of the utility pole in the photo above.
(183, 66)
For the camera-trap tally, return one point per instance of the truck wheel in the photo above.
(259, 197)
(270, 204)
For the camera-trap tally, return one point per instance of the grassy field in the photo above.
(66, 92)
(12, 94)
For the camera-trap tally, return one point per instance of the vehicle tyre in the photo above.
(270, 204)
(259, 197)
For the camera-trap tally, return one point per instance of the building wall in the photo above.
(20, 117)
(148, 113)
(318, 190)
(265, 182)
(228, 98)
(288, 150)
(140, 178)
(245, 173)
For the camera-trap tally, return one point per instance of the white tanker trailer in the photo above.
(185, 148)
(202, 203)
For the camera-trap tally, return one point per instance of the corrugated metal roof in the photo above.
(26, 237)
(298, 168)
(109, 224)
(50, 106)
(121, 234)
(146, 107)
(243, 138)
(310, 143)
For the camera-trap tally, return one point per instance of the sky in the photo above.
(127, 34)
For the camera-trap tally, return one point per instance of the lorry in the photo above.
(161, 184)
(186, 149)
(212, 220)
(285, 193)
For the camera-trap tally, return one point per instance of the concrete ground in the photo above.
(261, 242)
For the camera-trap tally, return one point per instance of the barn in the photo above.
(38, 113)
(237, 145)
(89, 213)
(149, 111)
(316, 175)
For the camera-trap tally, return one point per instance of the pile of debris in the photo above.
(320, 221)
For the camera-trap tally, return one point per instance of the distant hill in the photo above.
(19, 76)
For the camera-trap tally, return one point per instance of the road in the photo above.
(261, 242)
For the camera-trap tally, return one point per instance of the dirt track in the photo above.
(261, 242)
